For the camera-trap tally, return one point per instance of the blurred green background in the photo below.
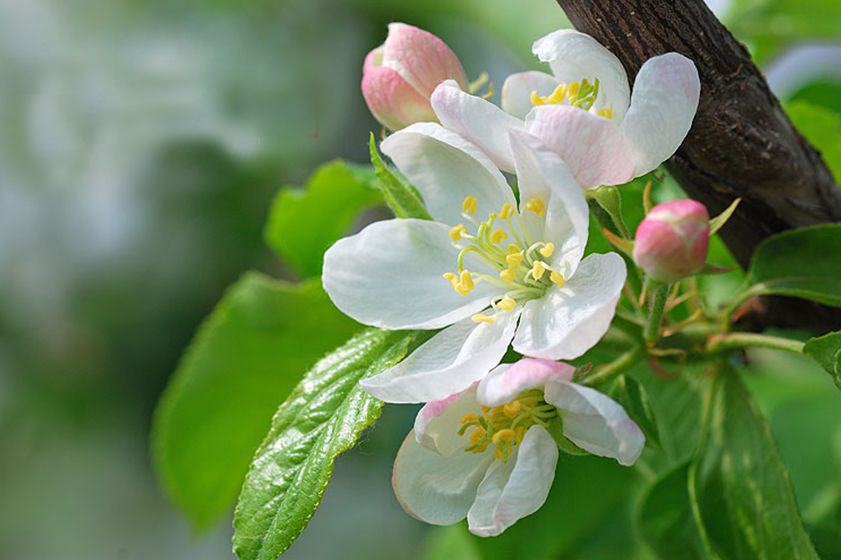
(140, 148)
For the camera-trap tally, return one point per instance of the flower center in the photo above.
(505, 426)
(577, 94)
(521, 268)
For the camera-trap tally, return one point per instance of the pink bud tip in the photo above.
(672, 241)
(399, 76)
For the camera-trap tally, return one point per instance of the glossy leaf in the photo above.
(826, 350)
(822, 127)
(403, 200)
(303, 223)
(322, 418)
(245, 359)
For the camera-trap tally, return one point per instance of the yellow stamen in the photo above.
(507, 275)
(574, 87)
(479, 318)
(477, 434)
(511, 409)
(506, 212)
(498, 236)
(536, 205)
(537, 269)
(457, 231)
(521, 432)
(514, 259)
(468, 418)
(557, 95)
(548, 249)
(557, 278)
(470, 204)
(536, 99)
(606, 113)
(485, 409)
(498, 454)
(452, 279)
(504, 435)
(507, 304)
(465, 283)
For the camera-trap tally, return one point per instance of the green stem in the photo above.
(651, 330)
(614, 368)
(730, 341)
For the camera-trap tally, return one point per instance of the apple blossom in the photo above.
(671, 242)
(489, 453)
(487, 268)
(585, 112)
(399, 76)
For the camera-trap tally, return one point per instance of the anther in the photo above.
(506, 212)
(470, 204)
(507, 304)
(606, 113)
(537, 269)
(512, 409)
(548, 249)
(457, 231)
(480, 318)
(507, 275)
(535, 99)
(452, 279)
(498, 235)
(557, 278)
(469, 418)
(504, 435)
(477, 434)
(536, 205)
(465, 283)
(514, 259)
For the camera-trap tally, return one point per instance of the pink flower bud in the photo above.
(399, 76)
(672, 241)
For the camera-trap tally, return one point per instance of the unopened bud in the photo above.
(399, 76)
(672, 241)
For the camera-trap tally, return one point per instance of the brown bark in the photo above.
(741, 143)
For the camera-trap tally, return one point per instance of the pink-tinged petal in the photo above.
(663, 104)
(574, 56)
(513, 490)
(476, 119)
(568, 321)
(449, 362)
(435, 489)
(421, 58)
(391, 99)
(438, 422)
(593, 147)
(672, 241)
(517, 90)
(507, 381)
(595, 422)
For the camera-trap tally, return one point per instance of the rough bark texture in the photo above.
(741, 144)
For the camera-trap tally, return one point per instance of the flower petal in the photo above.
(595, 422)
(593, 147)
(447, 363)
(476, 119)
(543, 174)
(663, 105)
(423, 59)
(436, 489)
(574, 56)
(391, 99)
(517, 90)
(514, 490)
(507, 381)
(445, 168)
(438, 422)
(390, 275)
(568, 321)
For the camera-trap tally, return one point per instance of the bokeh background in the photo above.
(141, 144)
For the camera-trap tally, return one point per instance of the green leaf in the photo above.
(401, 198)
(303, 223)
(822, 127)
(633, 397)
(245, 359)
(609, 200)
(803, 262)
(743, 495)
(718, 222)
(322, 418)
(665, 517)
(826, 350)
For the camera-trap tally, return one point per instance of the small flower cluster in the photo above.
(492, 269)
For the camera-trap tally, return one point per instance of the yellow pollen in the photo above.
(536, 205)
(547, 250)
(477, 434)
(504, 435)
(557, 96)
(470, 204)
(498, 236)
(573, 91)
(514, 259)
(468, 418)
(479, 318)
(512, 409)
(506, 211)
(452, 279)
(465, 283)
(507, 275)
(457, 231)
(557, 278)
(537, 269)
(507, 304)
(536, 99)
(606, 113)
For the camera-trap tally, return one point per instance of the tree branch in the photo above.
(741, 144)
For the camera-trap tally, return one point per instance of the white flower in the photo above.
(488, 453)
(485, 269)
(585, 112)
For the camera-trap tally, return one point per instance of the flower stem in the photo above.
(718, 343)
(651, 330)
(614, 368)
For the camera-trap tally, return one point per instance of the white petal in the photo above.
(507, 381)
(445, 168)
(574, 56)
(514, 490)
(447, 363)
(437, 422)
(433, 488)
(593, 147)
(517, 90)
(476, 119)
(663, 105)
(390, 275)
(595, 422)
(568, 321)
(542, 173)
